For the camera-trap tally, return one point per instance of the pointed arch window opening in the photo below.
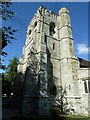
(29, 32)
(35, 24)
(52, 28)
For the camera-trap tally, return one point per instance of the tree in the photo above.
(11, 69)
(9, 76)
(6, 86)
(7, 33)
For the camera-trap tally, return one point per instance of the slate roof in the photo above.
(84, 63)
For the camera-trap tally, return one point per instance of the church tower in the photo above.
(48, 61)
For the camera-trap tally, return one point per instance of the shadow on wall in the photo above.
(18, 91)
(29, 84)
(51, 85)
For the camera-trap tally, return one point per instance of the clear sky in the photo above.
(24, 13)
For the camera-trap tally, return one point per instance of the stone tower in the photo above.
(48, 62)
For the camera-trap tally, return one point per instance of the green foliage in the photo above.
(7, 35)
(57, 114)
(6, 85)
(6, 12)
(11, 69)
(8, 78)
(6, 32)
(55, 111)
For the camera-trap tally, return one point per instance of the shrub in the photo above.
(56, 111)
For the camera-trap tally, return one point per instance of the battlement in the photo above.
(46, 12)
(43, 11)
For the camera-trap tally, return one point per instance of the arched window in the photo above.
(29, 32)
(53, 90)
(52, 28)
(35, 24)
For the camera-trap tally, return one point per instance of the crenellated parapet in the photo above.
(45, 12)
(40, 14)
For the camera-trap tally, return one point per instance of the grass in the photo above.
(50, 118)
(77, 117)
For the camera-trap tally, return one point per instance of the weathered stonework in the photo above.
(48, 62)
